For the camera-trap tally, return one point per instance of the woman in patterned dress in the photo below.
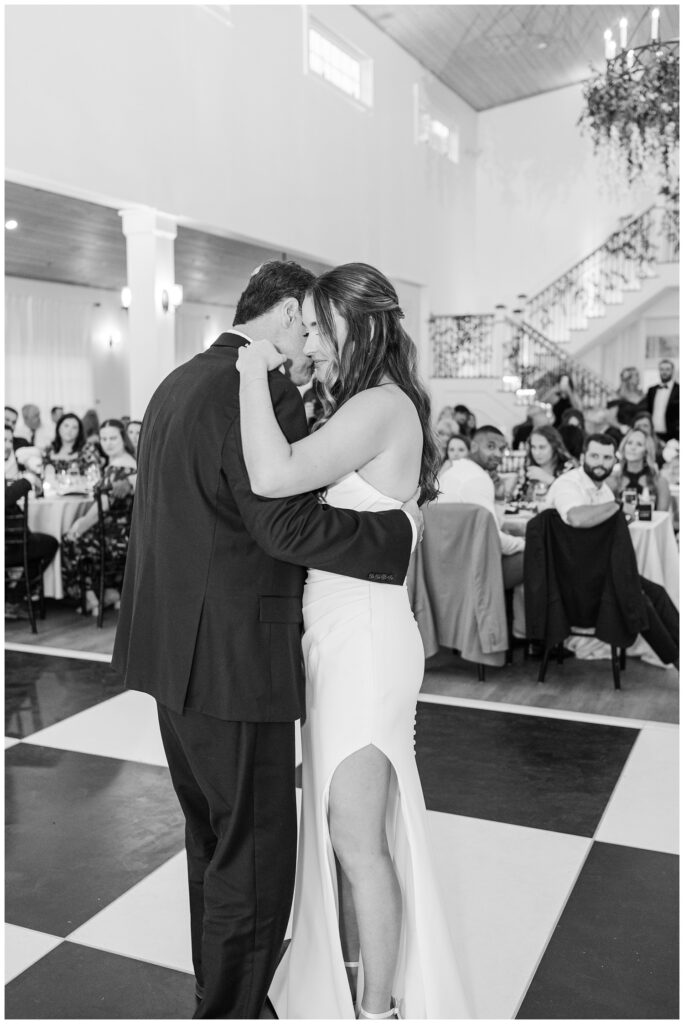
(69, 452)
(81, 543)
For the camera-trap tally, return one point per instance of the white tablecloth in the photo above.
(657, 553)
(55, 516)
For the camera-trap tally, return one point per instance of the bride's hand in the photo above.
(259, 356)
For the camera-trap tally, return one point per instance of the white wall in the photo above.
(541, 203)
(217, 124)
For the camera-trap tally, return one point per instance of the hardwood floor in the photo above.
(648, 693)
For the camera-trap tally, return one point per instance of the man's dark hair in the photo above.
(272, 282)
(488, 428)
(55, 408)
(10, 408)
(600, 439)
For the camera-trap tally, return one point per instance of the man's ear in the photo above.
(290, 311)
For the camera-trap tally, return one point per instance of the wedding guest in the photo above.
(11, 417)
(31, 429)
(445, 429)
(11, 465)
(41, 546)
(81, 543)
(133, 433)
(662, 401)
(562, 396)
(91, 431)
(583, 499)
(629, 395)
(56, 413)
(537, 416)
(547, 457)
(458, 447)
(636, 468)
(644, 421)
(467, 423)
(69, 451)
(470, 481)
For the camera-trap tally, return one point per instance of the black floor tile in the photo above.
(78, 983)
(41, 690)
(613, 954)
(81, 830)
(544, 773)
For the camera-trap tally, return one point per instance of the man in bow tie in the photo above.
(662, 401)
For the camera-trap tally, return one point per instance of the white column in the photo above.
(151, 329)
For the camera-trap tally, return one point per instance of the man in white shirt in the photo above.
(583, 499)
(469, 481)
(581, 496)
(32, 429)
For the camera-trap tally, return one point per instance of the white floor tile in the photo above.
(125, 727)
(643, 810)
(23, 947)
(504, 888)
(10, 742)
(150, 922)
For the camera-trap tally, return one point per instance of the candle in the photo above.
(623, 33)
(630, 58)
(655, 16)
(608, 36)
(613, 49)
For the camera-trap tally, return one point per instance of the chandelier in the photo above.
(632, 110)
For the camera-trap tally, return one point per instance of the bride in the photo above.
(368, 928)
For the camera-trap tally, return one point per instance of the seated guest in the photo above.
(11, 417)
(31, 429)
(458, 447)
(583, 499)
(537, 416)
(573, 431)
(56, 413)
(467, 424)
(445, 429)
(91, 431)
(12, 470)
(41, 546)
(644, 421)
(69, 451)
(80, 544)
(636, 468)
(470, 481)
(546, 459)
(133, 433)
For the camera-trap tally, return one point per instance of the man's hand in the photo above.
(411, 509)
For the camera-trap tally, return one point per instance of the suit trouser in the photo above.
(236, 786)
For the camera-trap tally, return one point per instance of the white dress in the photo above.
(364, 667)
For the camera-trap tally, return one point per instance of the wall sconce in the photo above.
(175, 298)
(126, 297)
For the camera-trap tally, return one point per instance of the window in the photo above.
(341, 66)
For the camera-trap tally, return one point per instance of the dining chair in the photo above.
(23, 572)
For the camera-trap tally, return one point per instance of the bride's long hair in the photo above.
(376, 346)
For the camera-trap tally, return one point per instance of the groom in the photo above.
(210, 626)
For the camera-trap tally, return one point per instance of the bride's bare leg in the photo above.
(349, 932)
(358, 800)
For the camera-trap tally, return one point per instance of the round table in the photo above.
(54, 515)
(657, 553)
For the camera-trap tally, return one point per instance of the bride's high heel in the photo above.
(392, 1012)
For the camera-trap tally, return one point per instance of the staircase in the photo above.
(631, 267)
(529, 351)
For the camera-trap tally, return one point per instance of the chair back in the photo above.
(455, 583)
(17, 533)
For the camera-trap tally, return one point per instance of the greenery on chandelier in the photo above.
(632, 116)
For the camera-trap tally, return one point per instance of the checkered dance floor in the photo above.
(555, 837)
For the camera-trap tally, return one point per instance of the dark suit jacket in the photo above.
(582, 577)
(19, 442)
(211, 603)
(671, 411)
